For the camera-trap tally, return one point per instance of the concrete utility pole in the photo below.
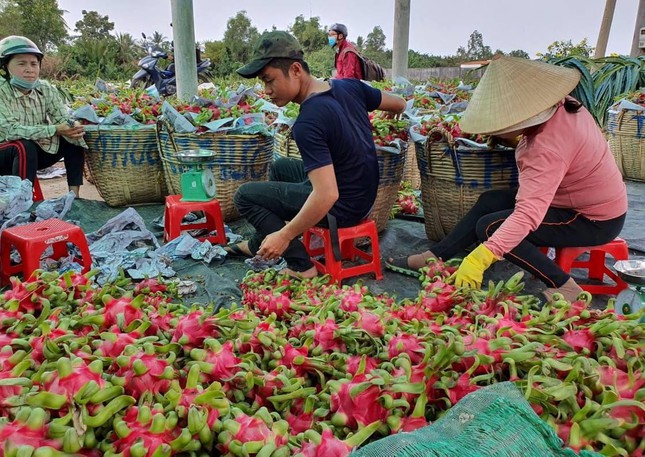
(183, 34)
(401, 38)
(605, 26)
(640, 22)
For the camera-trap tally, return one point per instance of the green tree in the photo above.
(160, 40)
(309, 33)
(519, 53)
(93, 26)
(567, 48)
(127, 51)
(216, 51)
(10, 19)
(239, 38)
(476, 49)
(374, 47)
(40, 20)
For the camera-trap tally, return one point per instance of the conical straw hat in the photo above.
(512, 90)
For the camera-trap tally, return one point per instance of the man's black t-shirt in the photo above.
(333, 128)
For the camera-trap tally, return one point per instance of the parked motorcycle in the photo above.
(164, 80)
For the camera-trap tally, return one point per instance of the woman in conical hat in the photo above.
(570, 193)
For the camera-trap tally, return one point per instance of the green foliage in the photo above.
(10, 19)
(311, 35)
(476, 49)
(93, 26)
(560, 49)
(40, 20)
(603, 80)
(239, 38)
(321, 62)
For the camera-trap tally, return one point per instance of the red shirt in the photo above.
(565, 163)
(347, 62)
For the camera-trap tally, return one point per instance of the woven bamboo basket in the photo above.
(390, 166)
(625, 131)
(124, 164)
(239, 159)
(410, 169)
(453, 177)
(285, 145)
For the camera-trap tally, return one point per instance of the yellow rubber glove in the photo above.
(471, 270)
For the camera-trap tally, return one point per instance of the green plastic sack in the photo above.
(494, 421)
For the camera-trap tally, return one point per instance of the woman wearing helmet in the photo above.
(35, 128)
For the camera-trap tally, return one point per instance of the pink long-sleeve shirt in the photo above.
(564, 163)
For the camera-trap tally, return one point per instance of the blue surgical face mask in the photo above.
(332, 41)
(20, 83)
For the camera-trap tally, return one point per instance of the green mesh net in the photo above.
(495, 421)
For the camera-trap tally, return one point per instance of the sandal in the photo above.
(234, 250)
(400, 265)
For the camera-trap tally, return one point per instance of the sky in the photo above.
(437, 28)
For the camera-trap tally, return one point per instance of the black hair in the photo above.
(284, 64)
(572, 105)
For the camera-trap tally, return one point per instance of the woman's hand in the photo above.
(74, 131)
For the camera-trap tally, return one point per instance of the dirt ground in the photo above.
(56, 187)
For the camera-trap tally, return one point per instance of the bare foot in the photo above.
(307, 274)
(239, 249)
(417, 261)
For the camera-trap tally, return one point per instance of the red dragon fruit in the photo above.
(144, 372)
(113, 342)
(371, 323)
(143, 429)
(354, 362)
(28, 429)
(218, 362)
(193, 328)
(324, 336)
(406, 344)
(327, 445)
(580, 339)
(121, 311)
(251, 433)
(71, 376)
(356, 403)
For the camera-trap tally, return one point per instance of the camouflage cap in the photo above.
(271, 45)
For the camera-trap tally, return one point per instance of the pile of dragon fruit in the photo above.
(303, 368)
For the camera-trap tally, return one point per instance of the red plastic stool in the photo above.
(348, 249)
(37, 192)
(565, 258)
(176, 210)
(33, 239)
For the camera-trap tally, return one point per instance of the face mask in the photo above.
(332, 41)
(22, 84)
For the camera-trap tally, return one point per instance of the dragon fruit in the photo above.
(121, 311)
(371, 323)
(143, 372)
(71, 377)
(113, 342)
(324, 336)
(192, 329)
(406, 344)
(28, 429)
(145, 431)
(218, 362)
(245, 435)
(356, 403)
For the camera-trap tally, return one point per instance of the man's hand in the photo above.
(273, 245)
(75, 131)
